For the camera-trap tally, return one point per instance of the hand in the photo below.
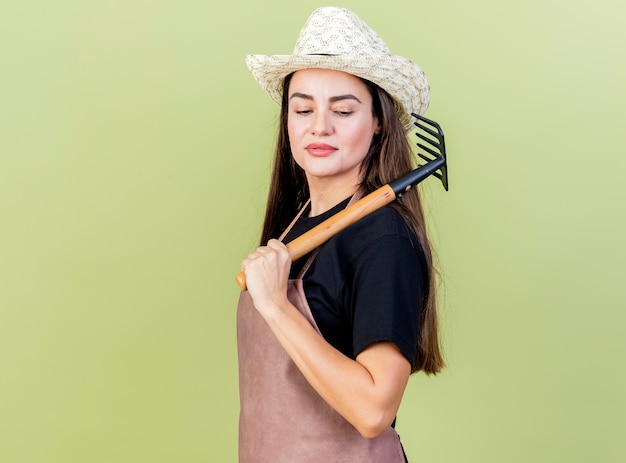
(267, 273)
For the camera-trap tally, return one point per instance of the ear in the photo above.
(378, 128)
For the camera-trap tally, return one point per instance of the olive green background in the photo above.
(134, 156)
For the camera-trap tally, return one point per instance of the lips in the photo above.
(320, 149)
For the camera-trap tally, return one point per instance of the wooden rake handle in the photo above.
(321, 233)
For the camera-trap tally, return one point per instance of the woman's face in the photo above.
(330, 124)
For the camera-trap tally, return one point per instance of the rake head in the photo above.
(434, 151)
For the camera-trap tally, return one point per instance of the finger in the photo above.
(276, 245)
(260, 252)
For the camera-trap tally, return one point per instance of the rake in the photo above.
(433, 151)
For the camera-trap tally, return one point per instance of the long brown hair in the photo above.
(389, 157)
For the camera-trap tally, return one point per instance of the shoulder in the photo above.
(383, 224)
(382, 238)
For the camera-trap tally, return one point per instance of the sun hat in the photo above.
(336, 38)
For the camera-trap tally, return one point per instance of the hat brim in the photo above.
(399, 76)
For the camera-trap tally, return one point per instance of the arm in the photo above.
(366, 391)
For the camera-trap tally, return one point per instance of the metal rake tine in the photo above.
(430, 141)
(437, 131)
(435, 147)
(427, 149)
(434, 133)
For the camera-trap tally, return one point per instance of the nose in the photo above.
(321, 123)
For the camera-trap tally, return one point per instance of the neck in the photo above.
(325, 197)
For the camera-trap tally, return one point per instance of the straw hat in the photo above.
(336, 38)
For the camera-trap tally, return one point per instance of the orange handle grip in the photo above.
(321, 233)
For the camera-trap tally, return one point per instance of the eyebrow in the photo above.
(332, 99)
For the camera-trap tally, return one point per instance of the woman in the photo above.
(327, 344)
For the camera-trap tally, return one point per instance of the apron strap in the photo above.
(314, 254)
(293, 222)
